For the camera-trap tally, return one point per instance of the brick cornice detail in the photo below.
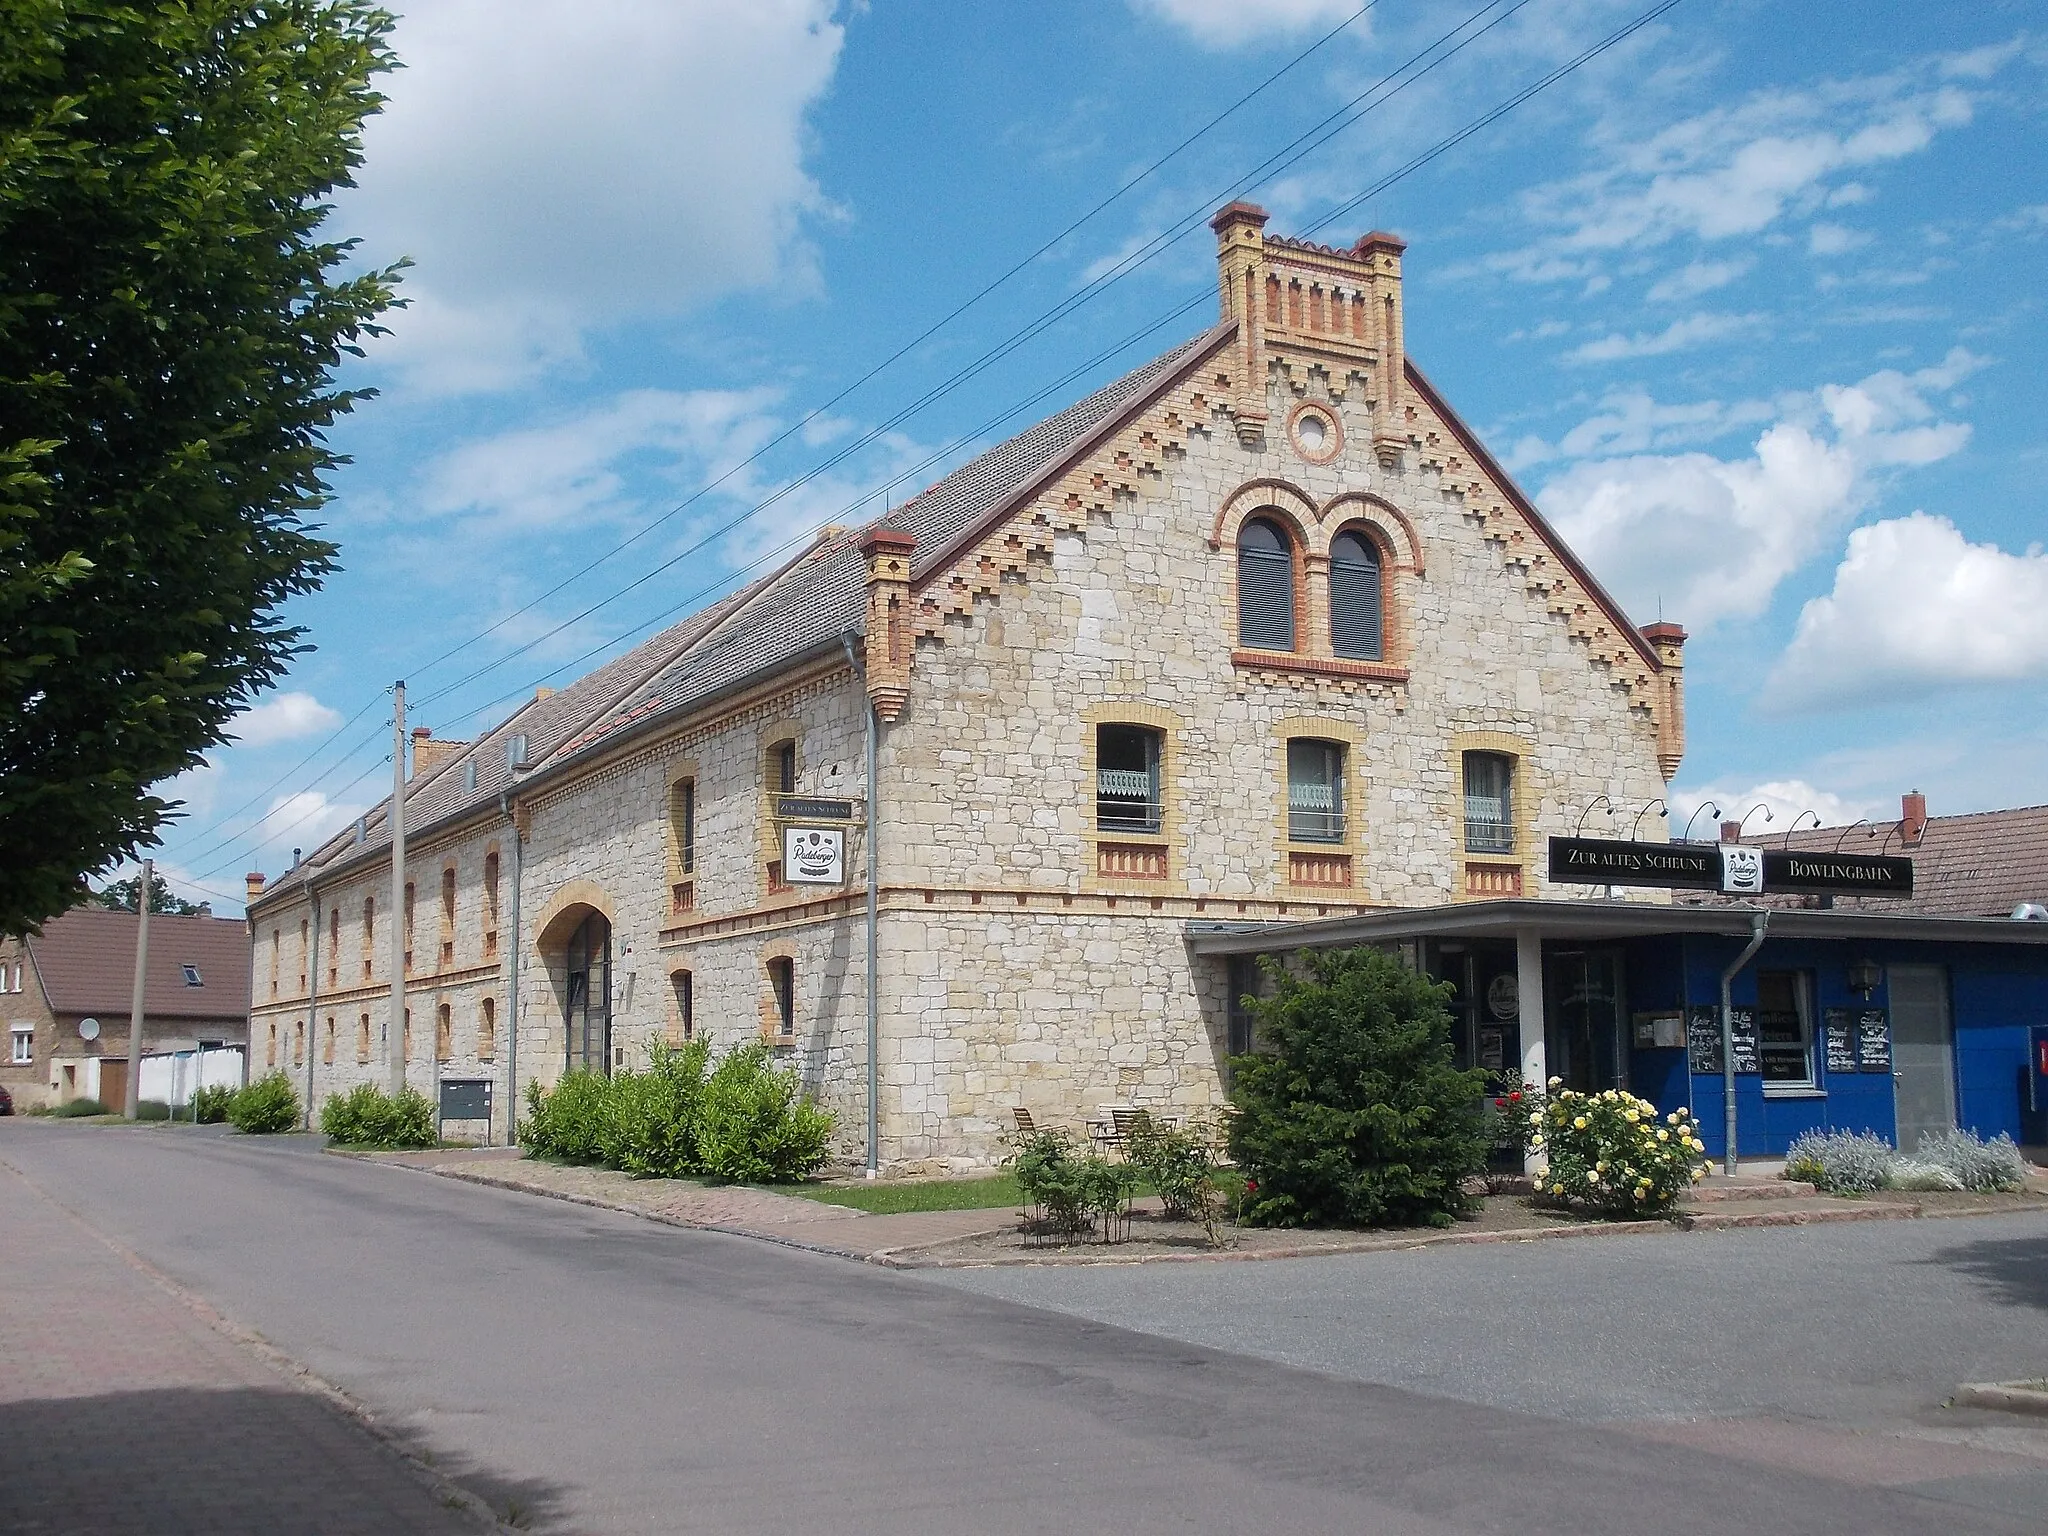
(1317, 666)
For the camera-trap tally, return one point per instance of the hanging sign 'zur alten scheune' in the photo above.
(1737, 868)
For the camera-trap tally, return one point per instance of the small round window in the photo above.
(1315, 434)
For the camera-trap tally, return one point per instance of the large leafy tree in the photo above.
(170, 322)
(124, 896)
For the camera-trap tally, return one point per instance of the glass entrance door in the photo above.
(589, 995)
(1584, 1041)
(1923, 1052)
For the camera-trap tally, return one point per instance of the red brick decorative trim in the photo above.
(1288, 661)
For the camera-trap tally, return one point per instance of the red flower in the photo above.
(1251, 1186)
(1515, 1097)
(1500, 1103)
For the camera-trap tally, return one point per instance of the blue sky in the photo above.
(1750, 304)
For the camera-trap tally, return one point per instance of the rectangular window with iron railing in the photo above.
(1315, 791)
(1489, 803)
(1127, 778)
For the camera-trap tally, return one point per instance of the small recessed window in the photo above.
(782, 976)
(1265, 587)
(1357, 619)
(785, 768)
(23, 1050)
(192, 976)
(1126, 778)
(1315, 791)
(1489, 803)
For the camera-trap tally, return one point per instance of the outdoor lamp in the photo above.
(1865, 976)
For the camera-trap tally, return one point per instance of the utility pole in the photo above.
(133, 1095)
(394, 1031)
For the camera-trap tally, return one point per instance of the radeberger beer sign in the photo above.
(1736, 868)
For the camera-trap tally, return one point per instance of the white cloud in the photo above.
(1233, 23)
(1705, 539)
(1698, 277)
(1916, 607)
(1692, 331)
(1733, 172)
(551, 172)
(1784, 801)
(288, 717)
(1835, 239)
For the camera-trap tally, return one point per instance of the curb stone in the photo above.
(2005, 1396)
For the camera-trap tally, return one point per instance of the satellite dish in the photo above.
(88, 1029)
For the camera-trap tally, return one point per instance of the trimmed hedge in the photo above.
(366, 1116)
(267, 1106)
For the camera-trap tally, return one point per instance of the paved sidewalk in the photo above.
(123, 1409)
(791, 1219)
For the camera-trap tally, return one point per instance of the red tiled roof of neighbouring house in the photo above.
(85, 960)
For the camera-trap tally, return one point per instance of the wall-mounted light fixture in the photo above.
(1865, 977)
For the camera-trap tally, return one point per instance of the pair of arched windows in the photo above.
(1268, 578)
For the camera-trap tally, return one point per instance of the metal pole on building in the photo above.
(874, 996)
(1759, 920)
(394, 1029)
(512, 985)
(132, 1096)
(312, 998)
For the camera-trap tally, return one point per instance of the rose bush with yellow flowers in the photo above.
(1613, 1153)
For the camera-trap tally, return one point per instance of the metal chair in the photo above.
(1026, 1126)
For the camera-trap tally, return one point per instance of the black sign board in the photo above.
(465, 1098)
(1603, 861)
(1861, 874)
(1742, 1040)
(1702, 1040)
(1838, 1029)
(1873, 1041)
(1698, 866)
(798, 808)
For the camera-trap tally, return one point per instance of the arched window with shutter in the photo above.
(1357, 599)
(1265, 587)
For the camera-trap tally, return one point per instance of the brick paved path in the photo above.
(123, 1409)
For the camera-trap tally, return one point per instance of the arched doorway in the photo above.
(587, 994)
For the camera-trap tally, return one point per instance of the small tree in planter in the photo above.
(1351, 1112)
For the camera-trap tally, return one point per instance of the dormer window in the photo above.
(1265, 587)
(192, 976)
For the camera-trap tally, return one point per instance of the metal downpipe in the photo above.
(1759, 920)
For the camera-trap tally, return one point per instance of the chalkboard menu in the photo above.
(1702, 1040)
(1873, 1041)
(1742, 1039)
(1838, 1027)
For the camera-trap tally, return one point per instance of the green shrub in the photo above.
(755, 1126)
(1072, 1192)
(152, 1109)
(651, 1128)
(365, 1116)
(78, 1109)
(265, 1107)
(1841, 1162)
(568, 1120)
(1608, 1152)
(1975, 1163)
(210, 1103)
(1352, 1112)
(1181, 1164)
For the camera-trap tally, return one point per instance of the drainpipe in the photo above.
(874, 1168)
(1759, 920)
(312, 999)
(512, 983)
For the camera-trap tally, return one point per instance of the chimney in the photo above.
(886, 645)
(1313, 307)
(254, 882)
(1912, 818)
(429, 754)
(1668, 641)
(1731, 831)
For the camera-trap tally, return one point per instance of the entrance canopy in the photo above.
(1594, 920)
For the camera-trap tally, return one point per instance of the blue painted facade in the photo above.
(1996, 994)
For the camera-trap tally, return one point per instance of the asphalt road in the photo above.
(613, 1375)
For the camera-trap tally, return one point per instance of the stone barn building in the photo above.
(1258, 632)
